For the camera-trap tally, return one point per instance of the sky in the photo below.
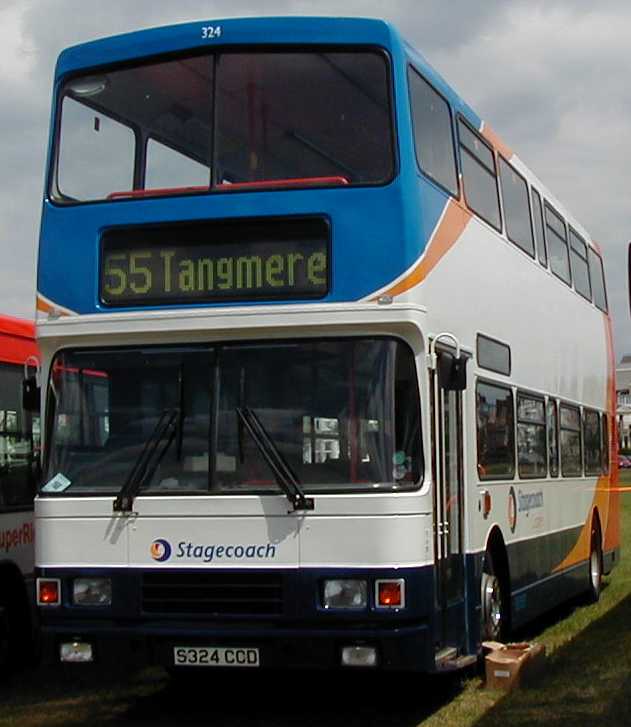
(550, 77)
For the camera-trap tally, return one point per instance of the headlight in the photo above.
(92, 591)
(345, 594)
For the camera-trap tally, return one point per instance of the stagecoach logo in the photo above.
(161, 550)
(529, 501)
(512, 509)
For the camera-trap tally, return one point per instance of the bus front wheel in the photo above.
(494, 617)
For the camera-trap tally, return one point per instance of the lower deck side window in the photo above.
(553, 438)
(591, 437)
(571, 450)
(531, 437)
(495, 430)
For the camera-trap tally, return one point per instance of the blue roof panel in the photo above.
(246, 31)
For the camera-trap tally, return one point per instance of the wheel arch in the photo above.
(496, 545)
(596, 519)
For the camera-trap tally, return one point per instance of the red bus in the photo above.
(19, 467)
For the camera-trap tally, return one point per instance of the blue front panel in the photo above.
(293, 630)
(377, 232)
(374, 237)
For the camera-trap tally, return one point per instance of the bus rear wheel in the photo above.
(494, 616)
(4, 643)
(595, 564)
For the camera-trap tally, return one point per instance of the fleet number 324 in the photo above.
(211, 31)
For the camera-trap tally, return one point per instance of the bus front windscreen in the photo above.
(343, 415)
(223, 122)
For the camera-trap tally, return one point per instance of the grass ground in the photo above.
(587, 682)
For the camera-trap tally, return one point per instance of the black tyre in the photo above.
(494, 623)
(595, 564)
(16, 632)
(4, 644)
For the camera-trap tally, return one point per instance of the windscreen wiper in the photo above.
(285, 476)
(147, 462)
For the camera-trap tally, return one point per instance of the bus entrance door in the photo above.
(447, 461)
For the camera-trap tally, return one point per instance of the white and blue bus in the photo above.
(328, 378)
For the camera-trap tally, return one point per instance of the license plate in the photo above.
(214, 656)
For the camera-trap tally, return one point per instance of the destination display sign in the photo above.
(215, 261)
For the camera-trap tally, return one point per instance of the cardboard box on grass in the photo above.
(512, 665)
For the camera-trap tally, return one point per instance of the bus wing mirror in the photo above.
(30, 395)
(452, 372)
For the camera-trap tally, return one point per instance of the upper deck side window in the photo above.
(232, 118)
(516, 208)
(556, 236)
(597, 275)
(537, 214)
(479, 175)
(580, 269)
(433, 137)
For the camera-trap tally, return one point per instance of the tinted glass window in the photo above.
(553, 438)
(571, 454)
(496, 441)
(598, 280)
(591, 437)
(537, 214)
(580, 270)
(345, 414)
(284, 115)
(432, 133)
(531, 437)
(516, 208)
(17, 447)
(96, 153)
(478, 176)
(233, 118)
(167, 168)
(557, 245)
(475, 145)
(493, 355)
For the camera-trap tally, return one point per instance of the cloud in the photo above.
(550, 77)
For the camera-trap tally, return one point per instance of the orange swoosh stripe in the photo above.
(491, 136)
(449, 229)
(607, 494)
(45, 307)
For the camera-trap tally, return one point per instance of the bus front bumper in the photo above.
(405, 648)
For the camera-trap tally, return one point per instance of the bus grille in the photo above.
(212, 593)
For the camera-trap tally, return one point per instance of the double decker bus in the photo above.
(19, 462)
(328, 374)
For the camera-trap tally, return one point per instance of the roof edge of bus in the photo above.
(291, 29)
(19, 327)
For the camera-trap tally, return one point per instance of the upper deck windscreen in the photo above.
(227, 119)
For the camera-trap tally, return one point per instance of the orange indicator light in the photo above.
(390, 593)
(48, 592)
